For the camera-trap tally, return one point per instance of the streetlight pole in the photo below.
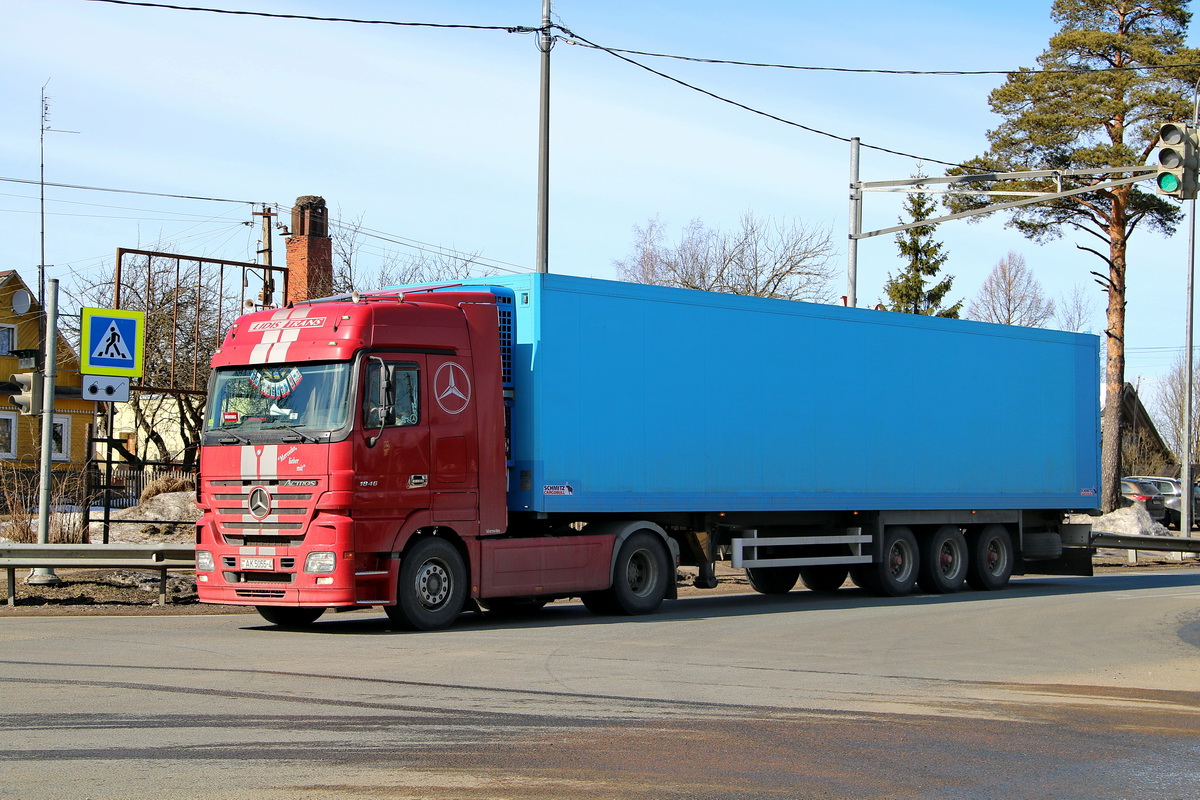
(43, 576)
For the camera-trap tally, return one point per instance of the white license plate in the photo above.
(258, 563)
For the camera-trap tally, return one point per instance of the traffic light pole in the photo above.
(42, 576)
(1187, 494)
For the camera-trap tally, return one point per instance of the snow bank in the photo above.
(1133, 520)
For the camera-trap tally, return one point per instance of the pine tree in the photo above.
(908, 292)
(1094, 105)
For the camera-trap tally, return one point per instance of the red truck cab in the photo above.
(339, 436)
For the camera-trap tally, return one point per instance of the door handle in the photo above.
(418, 481)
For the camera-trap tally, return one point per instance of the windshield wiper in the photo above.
(230, 437)
(304, 437)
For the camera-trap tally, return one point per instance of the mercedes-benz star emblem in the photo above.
(452, 388)
(260, 503)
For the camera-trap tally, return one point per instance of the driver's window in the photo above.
(391, 397)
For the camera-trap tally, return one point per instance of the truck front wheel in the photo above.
(640, 576)
(432, 587)
(289, 616)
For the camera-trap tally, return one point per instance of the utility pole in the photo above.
(268, 290)
(545, 43)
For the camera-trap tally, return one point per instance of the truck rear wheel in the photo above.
(640, 576)
(432, 588)
(513, 606)
(289, 616)
(772, 580)
(824, 578)
(895, 574)
(943, 561)
(991, 558)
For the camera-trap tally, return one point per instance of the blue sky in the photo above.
(432, 134)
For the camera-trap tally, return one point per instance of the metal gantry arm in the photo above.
(1030, 197)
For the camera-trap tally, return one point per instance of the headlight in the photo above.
(320, 563)
(204, 561)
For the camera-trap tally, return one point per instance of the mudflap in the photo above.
(1073, 561)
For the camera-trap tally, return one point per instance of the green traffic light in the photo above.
(1168, 182)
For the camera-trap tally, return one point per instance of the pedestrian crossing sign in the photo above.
(111, 342)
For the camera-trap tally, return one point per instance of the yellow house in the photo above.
(20, 442)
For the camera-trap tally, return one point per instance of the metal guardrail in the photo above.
(157, 557)
(1129, 541)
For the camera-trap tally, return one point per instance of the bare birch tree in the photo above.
(1076, 312)
(391, 267)
(1170, 410)
(1011, 295)
(764, 258)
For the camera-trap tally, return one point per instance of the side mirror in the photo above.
(382, 406)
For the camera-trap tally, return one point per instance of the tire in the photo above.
(990, 558)
(863, 576)
(600, 602)
(895, 574)
(641, 575)
(513, 606)
(824, 578)
(289, 616)
(943, 561)
(772, 580)
(432, 588)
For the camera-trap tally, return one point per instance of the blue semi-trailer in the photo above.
(554, 436)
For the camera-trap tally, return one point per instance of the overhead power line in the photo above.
(752, 110)
(31, 182)
(311, 18)
(869, 71)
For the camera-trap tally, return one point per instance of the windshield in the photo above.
(308, 396)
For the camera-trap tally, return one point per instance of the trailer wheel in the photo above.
(772, 580)
(895, 574)
(432, 588)
(943, 566)
(289, 616)
(824, 578)
(990, 563)
(640, 576)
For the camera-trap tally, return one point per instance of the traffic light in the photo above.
(1177, 160)
(29, 399)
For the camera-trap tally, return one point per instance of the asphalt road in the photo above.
(1054, 688)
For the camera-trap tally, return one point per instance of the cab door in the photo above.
(392, 453)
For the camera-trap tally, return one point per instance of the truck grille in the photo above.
(272, 594)
(284, 526)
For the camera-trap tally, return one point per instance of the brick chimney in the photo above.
(309, 251)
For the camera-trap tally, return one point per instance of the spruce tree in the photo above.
(924, 258)
(1095, 104)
